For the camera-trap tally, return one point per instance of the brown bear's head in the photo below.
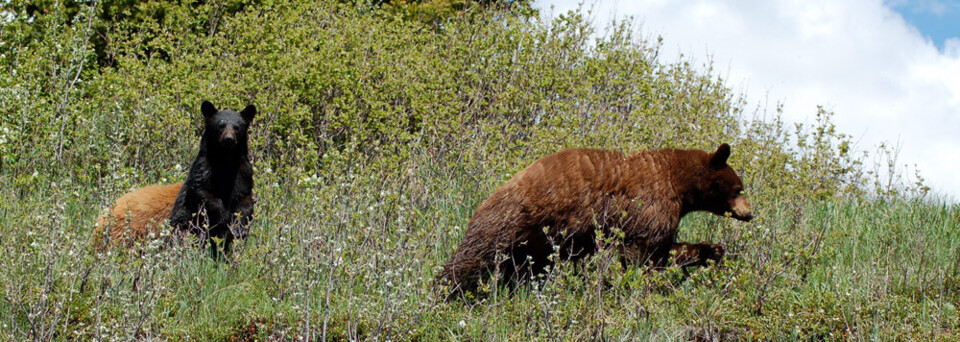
(720, 191)
(226, 128)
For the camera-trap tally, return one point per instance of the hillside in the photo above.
(378, 135)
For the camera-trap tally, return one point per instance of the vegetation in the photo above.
(378, 135)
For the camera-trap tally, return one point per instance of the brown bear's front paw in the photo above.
(710, 251)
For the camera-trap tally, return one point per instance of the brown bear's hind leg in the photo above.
(529, 259)
(514, 262)
(466, 268)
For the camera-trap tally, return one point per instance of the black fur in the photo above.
(216, 200)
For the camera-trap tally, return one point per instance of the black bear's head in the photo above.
(721, 189)
(225, 128)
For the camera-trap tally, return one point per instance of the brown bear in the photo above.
(559, 202)
(135, 215)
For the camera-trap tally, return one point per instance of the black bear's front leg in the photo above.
(242, 215)
(214, 208)
(241, 200)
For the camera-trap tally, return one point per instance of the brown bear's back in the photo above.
(568, 178)
(575, 187)
(137, 213)
(581, 177)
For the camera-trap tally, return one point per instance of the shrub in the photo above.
(339, 85)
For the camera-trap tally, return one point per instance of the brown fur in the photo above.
(135, 215)
(562, 199)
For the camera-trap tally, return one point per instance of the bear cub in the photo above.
(216, 200)
(560, 201)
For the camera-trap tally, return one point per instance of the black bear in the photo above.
(562, 199)
(216, 201)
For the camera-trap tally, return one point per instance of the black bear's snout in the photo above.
(228, 139)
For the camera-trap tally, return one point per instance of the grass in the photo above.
(355, 259)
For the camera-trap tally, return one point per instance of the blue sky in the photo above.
(936, 20)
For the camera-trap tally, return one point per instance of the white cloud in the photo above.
(951, 48)
(859, 58)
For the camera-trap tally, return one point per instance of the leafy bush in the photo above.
(339, 85)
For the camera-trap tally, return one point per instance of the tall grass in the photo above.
(359, 265)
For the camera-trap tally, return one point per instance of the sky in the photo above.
(938, 21)
(889, 70)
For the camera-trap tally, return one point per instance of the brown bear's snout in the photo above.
(741, 209)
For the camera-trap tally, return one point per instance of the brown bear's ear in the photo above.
(719, 159)
(207, 109)
(248, 113)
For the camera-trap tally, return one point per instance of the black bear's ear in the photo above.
(208, 109)
(719, 159)
(248, 113)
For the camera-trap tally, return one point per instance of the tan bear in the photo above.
(561, 200)
(135, 215)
